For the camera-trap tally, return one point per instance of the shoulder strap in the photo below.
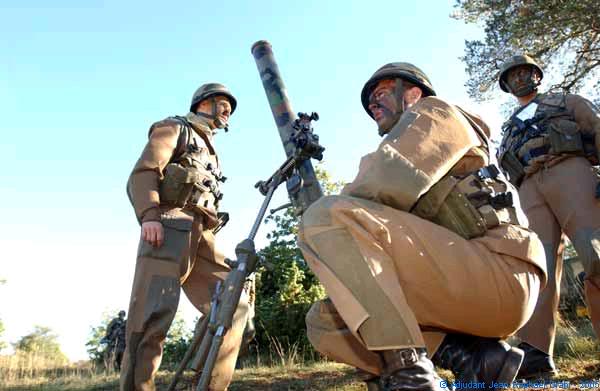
(186, 127)
(183, 140)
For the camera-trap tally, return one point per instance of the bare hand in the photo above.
(153, 233)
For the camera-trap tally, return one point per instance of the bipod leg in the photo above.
(217, 341)
(203, 350)
(228, 297)
(199, 333)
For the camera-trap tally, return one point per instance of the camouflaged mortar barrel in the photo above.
(281, 109)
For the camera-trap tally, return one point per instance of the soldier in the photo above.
(174, 189)
(548, 151)
(422, 254)
(115, 339)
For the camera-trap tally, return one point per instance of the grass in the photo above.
(576, 355)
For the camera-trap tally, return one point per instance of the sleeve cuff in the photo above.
(152, 214)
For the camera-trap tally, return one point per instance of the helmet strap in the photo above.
(213, 116)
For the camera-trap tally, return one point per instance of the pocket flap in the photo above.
(565, 127)
(179, 223)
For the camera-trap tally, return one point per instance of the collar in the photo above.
(200, 125)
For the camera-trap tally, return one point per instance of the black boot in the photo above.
(408, 369)
(479, 359)
(537, 364)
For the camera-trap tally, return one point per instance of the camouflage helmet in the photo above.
(403, 70)
(121, 313)
(516, 61)
(208, 90)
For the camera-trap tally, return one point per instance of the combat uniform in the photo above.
(178, 166)
(397, 275)
(548, 150)
(115, 335)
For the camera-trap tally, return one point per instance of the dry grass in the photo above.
(31, 371)
(284, 369)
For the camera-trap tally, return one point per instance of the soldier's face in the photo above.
(223, 109)
(519, 77)
(383, 104)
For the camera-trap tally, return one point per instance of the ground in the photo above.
(324, 376)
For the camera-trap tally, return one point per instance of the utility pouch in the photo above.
(565, 137)
(514, 169)
(446, 206)
(178, 184)
(470, 205)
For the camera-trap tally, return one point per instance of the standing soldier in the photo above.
(548, 151)
(115, 338)
(174, 189)
(422, 254)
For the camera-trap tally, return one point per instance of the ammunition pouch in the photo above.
(513, 168)
(469, 205)
(188, 187)
(565, 137)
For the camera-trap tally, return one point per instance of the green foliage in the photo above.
(563, 34)
(285, 286)
(42, 342)
(177, 342)
(96, 349)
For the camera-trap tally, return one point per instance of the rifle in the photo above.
(300, 145)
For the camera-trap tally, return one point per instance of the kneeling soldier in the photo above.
(422, 255)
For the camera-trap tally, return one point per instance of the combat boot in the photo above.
(408, 369)
(536, 365)
(479, 359)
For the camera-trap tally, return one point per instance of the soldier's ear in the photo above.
(414, 94)
(418, 93)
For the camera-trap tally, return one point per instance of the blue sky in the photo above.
(81, 82)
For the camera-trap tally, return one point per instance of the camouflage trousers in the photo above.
(560, 199)
(187, 259)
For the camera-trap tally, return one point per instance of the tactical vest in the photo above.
(542, 128)
(191, 179)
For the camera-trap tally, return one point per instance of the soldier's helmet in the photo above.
(121, 314)
(516, 61)
(208, 90)
(403, 70)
